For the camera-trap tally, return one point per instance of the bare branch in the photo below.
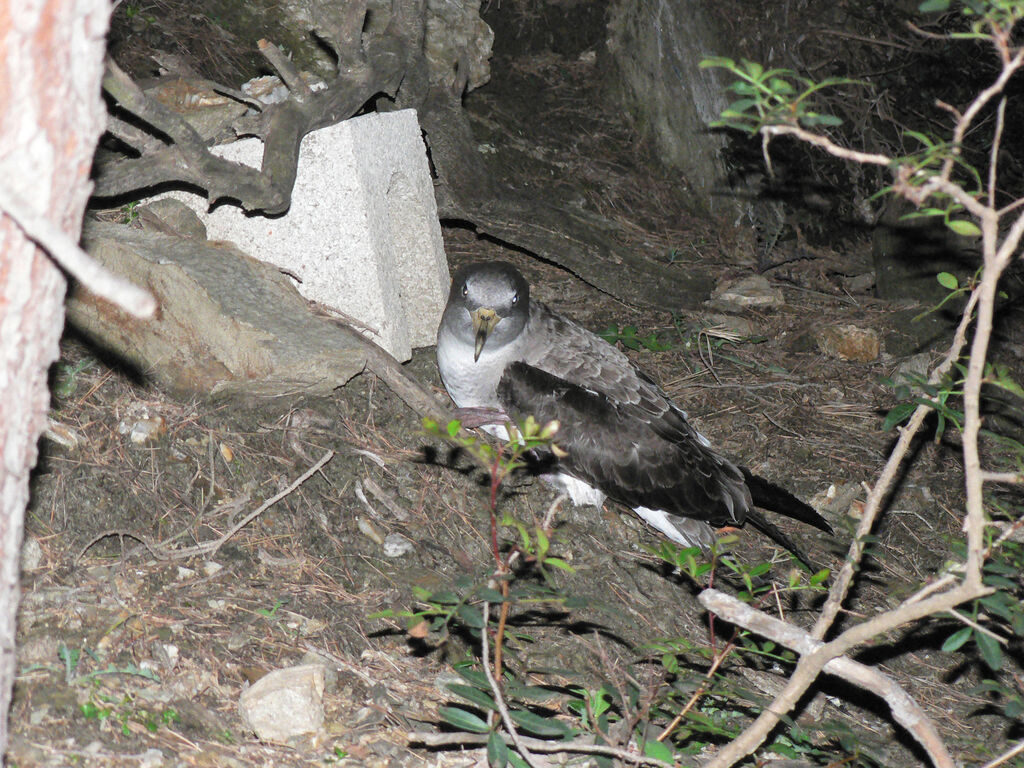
(823, 142)
(878, 494)
(1010, 65)
(1008, 754)
(1002, 477)
(576, 746)
(811, 664)
(65, 251)
(904, 709)
(993, 156)
(978, 627)
(285, 69)
(187, 160)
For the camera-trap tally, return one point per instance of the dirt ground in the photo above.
(128, 659)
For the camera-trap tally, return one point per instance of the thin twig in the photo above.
(211, 547)
(1010, 753)
(978, 627)
(696, 696)
(154, 549)
(1002, 477)
(549, 516)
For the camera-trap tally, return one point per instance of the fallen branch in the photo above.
(576, 746)
(904, 709)
(398, 380)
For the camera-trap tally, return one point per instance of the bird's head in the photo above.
(489, 304)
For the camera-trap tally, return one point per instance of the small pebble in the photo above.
(396, 545)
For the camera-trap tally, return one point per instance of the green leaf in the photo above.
(814, 119)
(470, 615)
(517, 761)
(532, 693)
(1014, 708)
(948, 281)
(957, 639)
(463, 720)
(780, 86)
(742, 88)
(539, 726)
(717, 61)
(473, 696)
(738, 107)
(754, 69)
(820, 576)
(473, 677)
(1001, 604)
(453, 427)
(659, 751)
(557, 562)
(964, 227)
(497, 751)
(898, 415)
(934, 6)
(543, 544)
(990, 650)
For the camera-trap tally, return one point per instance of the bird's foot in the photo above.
(471, 418)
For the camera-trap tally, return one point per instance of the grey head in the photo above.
(489, 304)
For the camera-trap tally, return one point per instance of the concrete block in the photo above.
(362, 232)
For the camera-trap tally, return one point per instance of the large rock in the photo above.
(226, 323)
(657, 46)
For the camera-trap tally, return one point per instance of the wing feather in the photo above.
(615, 447)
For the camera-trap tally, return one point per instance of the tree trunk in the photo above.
(51, 61)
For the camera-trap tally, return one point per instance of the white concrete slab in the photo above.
(362, 232)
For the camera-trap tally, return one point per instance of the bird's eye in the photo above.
(465, 289)
(515, 299)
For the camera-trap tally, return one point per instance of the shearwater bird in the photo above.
(504, 357)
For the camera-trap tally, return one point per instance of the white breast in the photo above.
(473, 384)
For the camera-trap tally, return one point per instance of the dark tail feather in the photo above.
(770, 496)
(765, 526)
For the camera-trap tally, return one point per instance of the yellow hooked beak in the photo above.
(484, 320)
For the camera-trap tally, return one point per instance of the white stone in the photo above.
(285, 703)
(362, 232)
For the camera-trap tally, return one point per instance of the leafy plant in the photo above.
(123, 710)
(66, 380)
(770, 97)
(939, 180)
(629, 337)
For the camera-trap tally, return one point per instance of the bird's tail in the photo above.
(768, 528)
(767, 495)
